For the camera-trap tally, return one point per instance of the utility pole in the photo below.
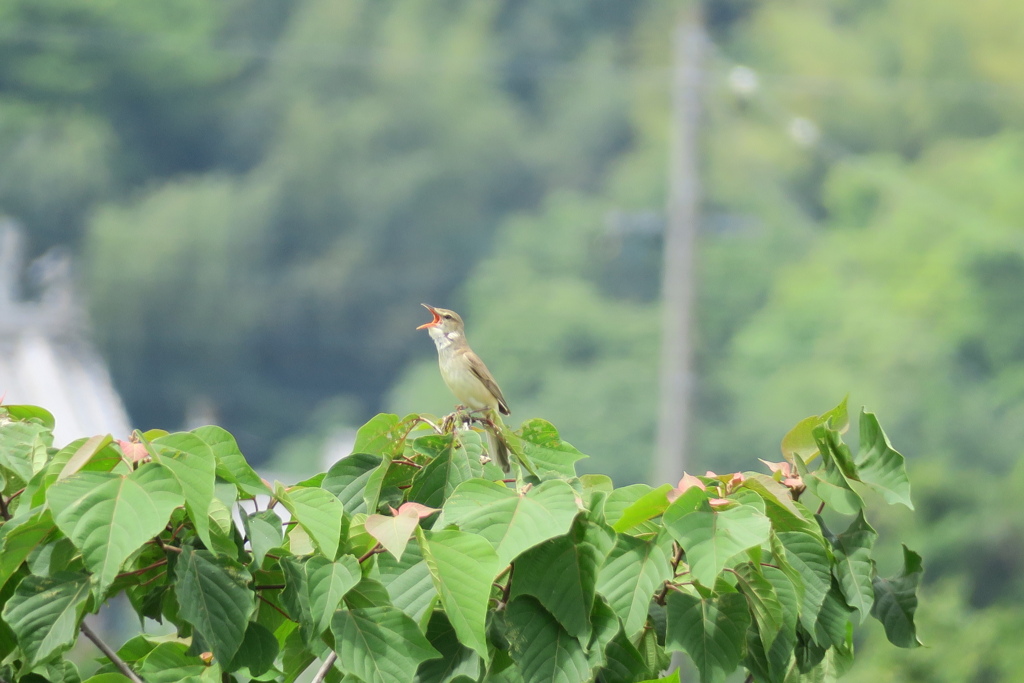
(678, 277)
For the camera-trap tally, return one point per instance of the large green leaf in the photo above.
(347, 478)
(214, 597)
(264, 531)
(448, 468)
(170, 663)
(831, 481)
(568, 593)
(231, 464)
(379, 644)
(833, 625)
(879, 465)
(896, 601)
(327, 583)
(23, 451)
(512, 521)
(711, 631)
(257, 652)
(644, 508)
(319, 512)
(45, 612)
(771, 659)
(109, 516)
(710, 538)
(456, 659)
(27, 413)
(463, 566)
(541, 647)
(800, 440)
(19, 538)
(408, 581)
(634, 570)
(381, 435)
(192, 462)
(809, 557)
(542, 445)
(763, 601)
(854, 567)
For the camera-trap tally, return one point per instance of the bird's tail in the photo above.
(498, 444)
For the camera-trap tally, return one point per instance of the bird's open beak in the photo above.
(433, 322)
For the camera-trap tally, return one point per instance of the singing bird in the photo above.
(467, 376)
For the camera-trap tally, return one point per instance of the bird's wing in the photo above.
(484, 375)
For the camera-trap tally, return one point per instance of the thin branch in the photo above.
(279, 610)
(405, 461)
(158, 563)
(371, 552)
(821, 508)
(270, 587)
(322, 672)
(111, 655)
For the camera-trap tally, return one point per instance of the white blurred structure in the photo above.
(45, 356)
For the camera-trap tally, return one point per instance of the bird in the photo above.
(467, 377)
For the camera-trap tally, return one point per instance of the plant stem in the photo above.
(371, 552)
(322, 672)
(158, 563)
(111, 655)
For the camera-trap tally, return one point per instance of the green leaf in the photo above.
(809, 557)
(215, 598)
(23, 451)
(19, 539)
(800, 440)
(83, 454)
(621, 499)
(108, 678)
(456, 659)
(833, 623)
(327, 583)
(319, 512)
(231, 464)
(264, 531)
(408, 582)
(380, 435)
(879, 465)
(711, 538)
(764, 603)
(193, 465)
(109, 516)
(347, 478)
(170, 663)
(448, 468)
(45, 613)
(379, 644)
(568, 593)
(257, 652)
(854, 566)
(831, 481)
(463, 567)
(646, 507)
(896, 601)
(541, 647)
(26, 413)
(542, 445)
(511, 521)
(634, 570)
(710, 631)
(624, 662)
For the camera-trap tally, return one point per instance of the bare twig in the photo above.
(158, 563)
(111, 655)
(322, 672)
(273, 606)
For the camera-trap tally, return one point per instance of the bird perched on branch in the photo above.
(468, 377)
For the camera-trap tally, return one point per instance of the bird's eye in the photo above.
(447, 316)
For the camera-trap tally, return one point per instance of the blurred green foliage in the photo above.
(264, 192)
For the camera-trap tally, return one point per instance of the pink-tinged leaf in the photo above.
(393, 532)
(710, 474)
(784, 467)
(687, 482)
(421, 510)
(134, 451)
(718, 502)
(736, 480)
